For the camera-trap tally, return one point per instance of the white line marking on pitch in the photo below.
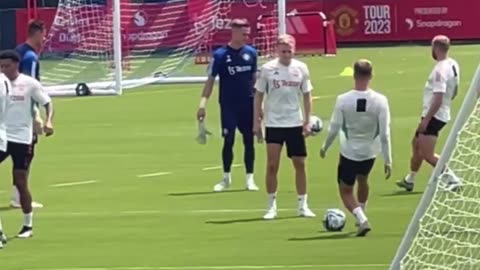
(74, 183)
(321, 97)
(153, 174)
(219, 167)
(231, 267)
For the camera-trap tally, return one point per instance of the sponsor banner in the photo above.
(307, 28)
(148, 27)
(186, 23)
(403, 20)
(144, 27)
(421, 19)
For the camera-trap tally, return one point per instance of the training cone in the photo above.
(347, 72)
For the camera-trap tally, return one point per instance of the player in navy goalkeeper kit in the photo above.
(29, 65)
(236, 66)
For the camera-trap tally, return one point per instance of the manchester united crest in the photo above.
(346, 20)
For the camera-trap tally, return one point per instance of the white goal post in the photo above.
(444, 232)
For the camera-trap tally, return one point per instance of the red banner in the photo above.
(170, 25)
(403, 20)
(424, 18)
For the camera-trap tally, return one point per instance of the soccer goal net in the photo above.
(445, 230)
(104, 46)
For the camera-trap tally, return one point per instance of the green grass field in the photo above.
(117, 219)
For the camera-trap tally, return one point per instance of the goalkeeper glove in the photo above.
(202, 133)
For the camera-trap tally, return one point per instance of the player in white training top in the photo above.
(363, 116)
(440, 89)
(284, 85)
(5, 87)
(19, 122)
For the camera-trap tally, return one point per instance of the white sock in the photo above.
(227, 176)
(302, 201)
(272, 200)
(15, 194)
(28, 220)
(1, 227)
(410, 178)
(249, 177)
(363, 206)
(359, 215)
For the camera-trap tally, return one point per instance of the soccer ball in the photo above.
(334, 220)
(316, 124)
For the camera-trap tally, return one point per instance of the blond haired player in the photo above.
(440, 89)
(284, 86)
(5, 87)
(363, 115)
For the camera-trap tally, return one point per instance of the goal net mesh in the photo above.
(157, 39)
(449, 231)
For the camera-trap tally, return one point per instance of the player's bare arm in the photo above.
(384, 128)
(42, 98)
(261, 87)
(258, 115)
(48, 126)
(307, 111)
(206, 93)
(37, 121)
(307, 88)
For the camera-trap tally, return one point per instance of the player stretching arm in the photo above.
(19, 123)
(5, 87)
(282, 84)
(30, 66)
(236, 66)
(364, 117)
(440, 89)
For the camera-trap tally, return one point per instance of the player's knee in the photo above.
(430, 158)
(228, 140)
(346, 189)
(417, 154)
(298, 163)
(20, 181)
(272, 167)
(362, 184)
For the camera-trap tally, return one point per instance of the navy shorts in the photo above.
(292, 137)
(348, 169)
(433, 127)
(21, 155)
(237, 116)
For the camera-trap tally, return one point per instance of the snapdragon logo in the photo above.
(409, 23)
(146, 36)
(432, 24)
(140, 18)
(438, 24)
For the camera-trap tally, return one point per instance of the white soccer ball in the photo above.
(316, 124)
(334, 220)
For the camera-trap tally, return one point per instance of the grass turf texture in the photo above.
(173, 221)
